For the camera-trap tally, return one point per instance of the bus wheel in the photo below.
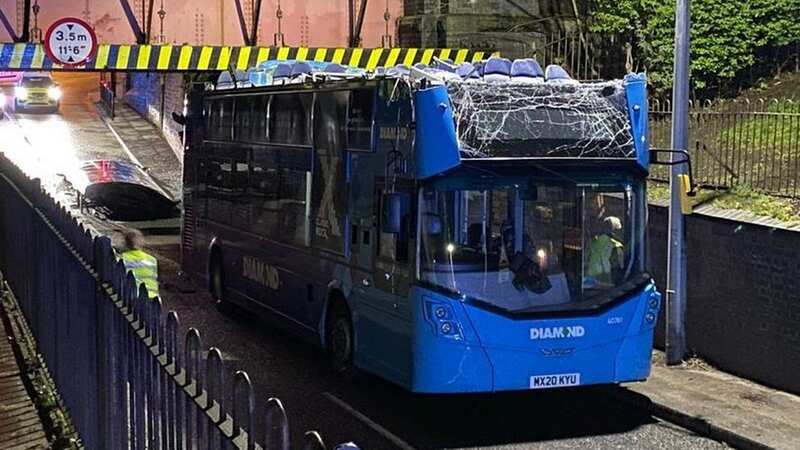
(217, 285)
(340, 341)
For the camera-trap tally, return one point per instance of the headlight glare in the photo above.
(21, 93)
(54, 93)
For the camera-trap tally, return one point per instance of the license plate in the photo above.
(555, 380)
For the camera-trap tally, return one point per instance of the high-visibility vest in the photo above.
(602, 251)
(144, 268)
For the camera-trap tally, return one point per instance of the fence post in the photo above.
(242, 379)
(276, 432)
(174, 428)
(313, 441)
(215, 385)
(193, 360)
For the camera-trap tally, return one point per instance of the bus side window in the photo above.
(244, 117)
(359, 120)
(329, 185)
(220, 119)
(394, 246)
(251, 119)
(290, 117)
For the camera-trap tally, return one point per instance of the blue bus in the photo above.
(452, 228)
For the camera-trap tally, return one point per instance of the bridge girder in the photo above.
(186, 58)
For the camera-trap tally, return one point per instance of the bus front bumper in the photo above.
(495, 353)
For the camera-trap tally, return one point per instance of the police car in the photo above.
(37, 91)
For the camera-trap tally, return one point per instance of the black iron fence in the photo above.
(126, 377)
(586, 56)
(747, 143)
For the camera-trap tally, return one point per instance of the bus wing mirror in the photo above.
(394, 206)
(180, 119)
(686, 183)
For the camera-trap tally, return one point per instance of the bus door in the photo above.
(385, 307)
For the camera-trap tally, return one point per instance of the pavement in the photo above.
(20, 424)
(144, 144)
(719, 405)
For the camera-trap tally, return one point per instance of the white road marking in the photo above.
(125, 148)
(369, 422)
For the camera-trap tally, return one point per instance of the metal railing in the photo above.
(586, 56)
(127, 378)
(108, 97)
(746, 143)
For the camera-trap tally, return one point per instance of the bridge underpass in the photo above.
(369, 411)
(84, 132)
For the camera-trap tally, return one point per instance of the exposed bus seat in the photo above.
(468, 70)
(335, 68)
(300, 68)
(398, 70)
(497, 69)
(557, 74)
(527, 70)
(445, 65)
(224, 81)
(282, 73)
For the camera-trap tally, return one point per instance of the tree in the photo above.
(728, 37)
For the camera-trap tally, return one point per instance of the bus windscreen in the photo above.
(519, 244)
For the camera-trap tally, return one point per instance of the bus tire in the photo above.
(340, 340)
(216, 282)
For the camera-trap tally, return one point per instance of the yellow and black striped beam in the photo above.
(178, 58)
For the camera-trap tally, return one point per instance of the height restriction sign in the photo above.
(70, 42)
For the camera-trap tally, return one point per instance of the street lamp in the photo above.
(161, 14)
(386, 39)
(36, 32)
(676, 255)
(278, 37)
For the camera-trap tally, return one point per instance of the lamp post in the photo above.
(36, 32)
(278, 37)
(161, 15)
(676, 255)
(386, 39)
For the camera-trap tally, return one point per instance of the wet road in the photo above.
(378, 415)
(50, 146)
(372, 413)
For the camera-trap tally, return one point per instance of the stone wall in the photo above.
(155, 96)
(743, 299)
(515, 30)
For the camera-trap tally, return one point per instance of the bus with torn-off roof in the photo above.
(453, 228)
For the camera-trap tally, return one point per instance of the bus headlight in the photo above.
(21, 93)
(444, 321)
(54, 93)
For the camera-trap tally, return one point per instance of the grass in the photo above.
(739, 197)
(745, 198)
(751, 140)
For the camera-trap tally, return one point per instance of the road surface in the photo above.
(373, 413)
